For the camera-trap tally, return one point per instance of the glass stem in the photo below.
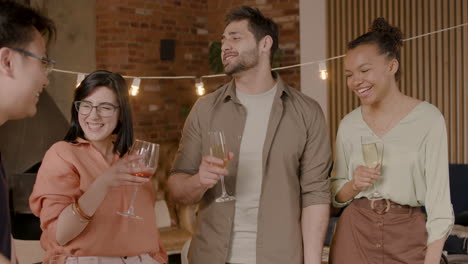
(131, 209)
(222, 185)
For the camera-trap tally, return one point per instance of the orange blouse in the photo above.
(66, 172)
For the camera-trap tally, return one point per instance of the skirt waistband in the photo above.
(143, 258)
(384, 206)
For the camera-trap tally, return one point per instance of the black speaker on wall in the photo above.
(167, 50)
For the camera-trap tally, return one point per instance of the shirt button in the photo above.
(378, 245)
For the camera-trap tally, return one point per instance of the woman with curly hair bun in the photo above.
(383, 221)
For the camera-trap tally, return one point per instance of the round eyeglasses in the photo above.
(103, 109)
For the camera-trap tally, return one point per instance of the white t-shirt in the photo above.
(249, 176)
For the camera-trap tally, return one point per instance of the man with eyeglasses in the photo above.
(24, 67)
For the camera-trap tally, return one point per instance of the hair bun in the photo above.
(381, 25)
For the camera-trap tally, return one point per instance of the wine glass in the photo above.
(219, 150)
(372, 152)
(148, 163)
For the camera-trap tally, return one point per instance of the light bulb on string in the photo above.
(79, 78)
(323, 70)
(323, 67)
(200, 87)
(135, 88)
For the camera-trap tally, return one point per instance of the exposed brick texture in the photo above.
(128, 38)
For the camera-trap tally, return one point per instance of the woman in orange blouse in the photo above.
(85, 179)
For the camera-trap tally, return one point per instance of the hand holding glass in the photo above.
(372, 152)
(219, 150)
(148, 163)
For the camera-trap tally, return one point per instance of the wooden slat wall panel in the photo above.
(464, 80)
(434, 68)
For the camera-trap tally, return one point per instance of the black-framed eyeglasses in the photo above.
(102, 109)
(48, 63)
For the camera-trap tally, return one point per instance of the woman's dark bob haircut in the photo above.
(124, 128)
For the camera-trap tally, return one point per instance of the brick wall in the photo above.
(128, 38)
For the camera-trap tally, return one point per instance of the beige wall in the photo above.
(74, 48)
(313, 47)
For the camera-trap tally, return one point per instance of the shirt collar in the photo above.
(230, 90)
(79, 141)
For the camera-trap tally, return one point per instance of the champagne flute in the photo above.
(148, 163)
(219, 150)
(372, 152)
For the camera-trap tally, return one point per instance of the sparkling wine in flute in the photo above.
(371, 157)
(219, 150)
(372, 153)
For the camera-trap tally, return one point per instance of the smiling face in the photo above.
(97, 128)
(239, 50)
(29, 79)
(369, 74)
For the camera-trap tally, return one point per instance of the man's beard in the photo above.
(246, 61)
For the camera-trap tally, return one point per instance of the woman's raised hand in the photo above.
(123, 173)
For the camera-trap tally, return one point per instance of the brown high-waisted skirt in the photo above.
(375, 236)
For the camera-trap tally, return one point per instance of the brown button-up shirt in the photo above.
(296, 164)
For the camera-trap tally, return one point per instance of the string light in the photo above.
(135, 88)
(323, 70)
(323, 74)
(79, 78)
(200, 87)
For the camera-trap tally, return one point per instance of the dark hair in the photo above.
(389, 40)
(117, 84)
(259, 25)
(17, 23)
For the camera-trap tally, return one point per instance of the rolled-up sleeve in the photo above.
(188, 157)
(57, 186)
(316, 161)
(438, 206)
(339, 175)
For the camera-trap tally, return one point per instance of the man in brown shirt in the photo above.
(291, 202)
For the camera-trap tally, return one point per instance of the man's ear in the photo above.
(393, 66)
(6, 62)
(265, 44)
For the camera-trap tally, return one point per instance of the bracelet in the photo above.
(76, 209)
(77, 215)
